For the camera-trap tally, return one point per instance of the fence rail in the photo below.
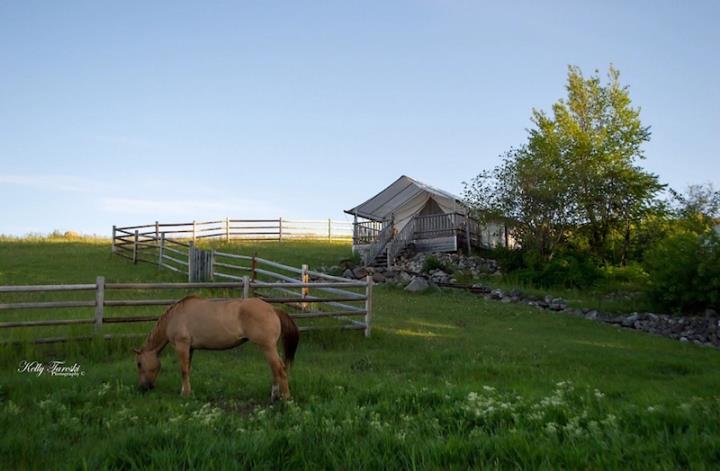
(173, 247)
(246, 229)
(298, 290)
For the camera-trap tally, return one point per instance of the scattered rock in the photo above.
(630, 320)
(556, 304)
(703, 329)
(417, 285)
(404, 277)
(439, 276)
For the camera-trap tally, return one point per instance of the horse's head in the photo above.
(148, 364)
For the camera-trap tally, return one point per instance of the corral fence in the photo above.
(247, 229)
(305, 299)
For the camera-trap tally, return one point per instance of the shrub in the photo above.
(632, 276)
(684, 271)
(464, 277)
(433, 263)
(566, 270)
(571, 271)
(509, 259)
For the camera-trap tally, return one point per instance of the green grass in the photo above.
(447, 381)
(602, 298)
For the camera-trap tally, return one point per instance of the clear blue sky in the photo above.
(128, 112)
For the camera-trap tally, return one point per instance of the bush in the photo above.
(433, 263)
(632, 276)
(510, 260)
(684, 271)
(566, 270)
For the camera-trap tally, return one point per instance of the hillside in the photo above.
(448, 380)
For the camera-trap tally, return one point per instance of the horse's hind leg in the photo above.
(280, 387)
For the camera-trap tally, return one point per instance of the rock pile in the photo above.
(443, 268)
(408, 272)
(702, 330)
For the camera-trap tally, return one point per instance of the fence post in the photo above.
(246, 287)
(368, 304)
(194, 231)
(160, 251)
(253, 271)
(305, 291)
(280, 229)
(113, 240)
(157, 229)
(212, 265)
(191, 265)
(99, 301)
(135, 247)
(329, 229)
(227, 229)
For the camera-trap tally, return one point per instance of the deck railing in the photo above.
(366, 232)
(379, 244)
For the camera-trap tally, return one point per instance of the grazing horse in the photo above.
(197, 323)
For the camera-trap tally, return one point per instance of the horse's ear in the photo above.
(137, 350)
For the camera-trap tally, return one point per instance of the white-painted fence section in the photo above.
(246, 229)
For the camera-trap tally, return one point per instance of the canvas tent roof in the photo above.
(404, 198)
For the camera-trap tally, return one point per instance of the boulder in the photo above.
(348, 273)
(404, 277)
(359, 272)
(630, 320)
(378, 277)
(417, 284)
(439, 276)
(556, 304)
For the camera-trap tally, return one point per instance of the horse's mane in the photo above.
(158, 332)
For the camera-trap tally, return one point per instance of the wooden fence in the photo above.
(246, 229)
(305, 298)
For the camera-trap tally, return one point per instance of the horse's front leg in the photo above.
(184, 352)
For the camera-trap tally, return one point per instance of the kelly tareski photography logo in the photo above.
(53, 368)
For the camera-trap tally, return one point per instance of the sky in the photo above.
(130, 112)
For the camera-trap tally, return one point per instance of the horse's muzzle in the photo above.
(145, 387)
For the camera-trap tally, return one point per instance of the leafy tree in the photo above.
(577, 172)
(526, 192)
(698, 208)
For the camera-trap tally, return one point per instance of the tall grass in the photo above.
(447, 381)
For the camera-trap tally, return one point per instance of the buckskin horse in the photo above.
(196, 323)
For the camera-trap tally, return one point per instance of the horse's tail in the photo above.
(290, 335)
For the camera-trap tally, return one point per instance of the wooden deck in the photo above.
(426, 233)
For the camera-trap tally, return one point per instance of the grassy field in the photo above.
(447, 381)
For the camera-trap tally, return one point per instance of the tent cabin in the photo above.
(412, 213)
